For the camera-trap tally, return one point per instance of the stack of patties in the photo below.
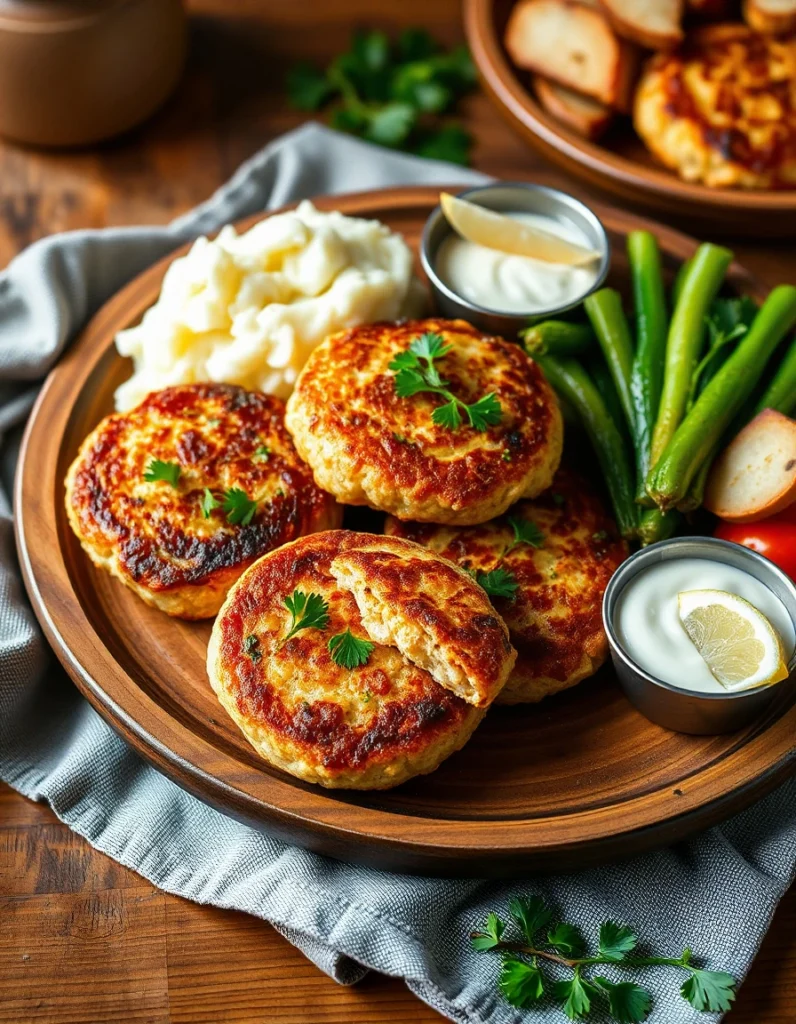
(459, 437)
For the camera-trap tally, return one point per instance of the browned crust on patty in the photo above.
(153, 536)
(555, 620)
(365, 728)
(370, 447)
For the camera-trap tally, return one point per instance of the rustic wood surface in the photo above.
(82, 939)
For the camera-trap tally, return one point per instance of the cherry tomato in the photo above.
(775, 538)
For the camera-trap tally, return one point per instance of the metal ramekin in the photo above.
(517, 197)
(671, 706)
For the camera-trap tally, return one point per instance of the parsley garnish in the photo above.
(209, 502)
(525, 532)
(251, 645)
(415, 372)
(530, 942)
(497, 583)
(307, 611)
(262, 454)
(239, 507)
(392, 94)
(349, 651)
(168, 472)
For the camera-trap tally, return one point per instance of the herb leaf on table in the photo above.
(528, 946)
(392, 94)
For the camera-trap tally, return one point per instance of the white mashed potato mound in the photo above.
(249, 309)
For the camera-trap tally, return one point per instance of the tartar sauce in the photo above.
(507, 283)
(648, 624)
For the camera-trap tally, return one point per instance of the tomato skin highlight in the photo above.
(775, 538)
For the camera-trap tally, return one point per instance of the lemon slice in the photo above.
(740, 646)
(497, 231)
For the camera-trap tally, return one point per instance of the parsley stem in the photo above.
(588, 961)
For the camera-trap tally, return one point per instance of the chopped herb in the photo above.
(262, 454)
(307, 611)
(349, 651)
(528, 944)
(497, 583)
(415, 372)
(366, 697)
(600, 535)
(214, 422)
(251, 646)
(168, 472)
(239, 507)
(279, 493)
(506, 455)
(209, 502)
(525, 532)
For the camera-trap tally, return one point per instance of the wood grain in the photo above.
(229, 105)
(619, 162)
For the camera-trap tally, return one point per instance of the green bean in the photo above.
(781, 391)
(701, 282)
(570, 380)
(655, 525)
(604, 310)
(557, 338)
(702, 429)
(646, 374)
(677, 284)
(597, 369)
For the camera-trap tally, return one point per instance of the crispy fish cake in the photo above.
(239, 489)
(554, 619)
(370, 726)
(368, 446)
(722, 109)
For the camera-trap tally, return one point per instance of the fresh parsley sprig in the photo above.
(169, 472)
(525, 532)
(416, 372)
(307, 611)
(350, 651)
(497, 583)
(392, 94)
(236, 503)
(536, 941)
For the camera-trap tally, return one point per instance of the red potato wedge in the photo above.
(771, 17)
(652, 23)
(584, 115)
(574, 45)
(755, 475)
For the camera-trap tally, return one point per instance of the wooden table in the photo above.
(83, 940)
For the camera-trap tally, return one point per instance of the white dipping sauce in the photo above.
(515, 284)
(648, 624)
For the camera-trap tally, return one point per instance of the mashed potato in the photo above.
(249, 309)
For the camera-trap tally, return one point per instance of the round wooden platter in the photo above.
(578, 778)
(619, 162)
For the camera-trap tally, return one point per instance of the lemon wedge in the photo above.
(497, 231)
(738, 643)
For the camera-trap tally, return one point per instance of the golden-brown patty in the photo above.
(155, 536)
(722, 109)
(555, 618)
(368, 727)
(367, 446)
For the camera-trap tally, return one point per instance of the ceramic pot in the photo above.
(77, 71)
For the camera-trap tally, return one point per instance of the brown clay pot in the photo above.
(77, 71)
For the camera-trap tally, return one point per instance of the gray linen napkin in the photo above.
(716, 893)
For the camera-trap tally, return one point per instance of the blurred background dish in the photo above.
(565, 127)
(78, 71)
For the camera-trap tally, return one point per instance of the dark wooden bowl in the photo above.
(619, 163)
(577, 778)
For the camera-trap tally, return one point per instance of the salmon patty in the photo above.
(417, 455)
(178, 496)
(560, 551)
(722, 109)
(328, 687)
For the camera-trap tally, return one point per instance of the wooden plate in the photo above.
(619, 162)
(580, 777)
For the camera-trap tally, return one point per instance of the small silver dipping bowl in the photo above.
(701, 714)
(511, 197)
